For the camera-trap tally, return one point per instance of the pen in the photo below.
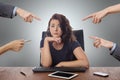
(22, 73)
(27, 40)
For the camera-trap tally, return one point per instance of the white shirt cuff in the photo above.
(113, 48)
(14, 12)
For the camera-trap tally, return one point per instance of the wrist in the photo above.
(111, 45)
(19, 11)
(5, 48)
(8, 46)
(47, 39)
(106, 11)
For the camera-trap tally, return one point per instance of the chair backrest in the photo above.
(78, 34)
(80, 37)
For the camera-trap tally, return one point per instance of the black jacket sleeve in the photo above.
(6, 10)
(116, 52)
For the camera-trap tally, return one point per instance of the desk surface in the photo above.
(13, 73)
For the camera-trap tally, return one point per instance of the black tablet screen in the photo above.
(63, 74)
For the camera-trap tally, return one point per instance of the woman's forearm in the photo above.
(76, 63)
(46, 60)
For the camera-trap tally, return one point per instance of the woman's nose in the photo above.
(56, 28)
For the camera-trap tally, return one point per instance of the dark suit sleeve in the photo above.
(116, 52)
(6, 10)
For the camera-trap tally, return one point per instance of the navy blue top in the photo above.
(65, 54)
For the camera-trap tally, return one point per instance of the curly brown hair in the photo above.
(67, 34)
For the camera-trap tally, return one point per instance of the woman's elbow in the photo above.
(45, 64)
(87, 65)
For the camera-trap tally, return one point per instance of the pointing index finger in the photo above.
(36, 17)
(90, 16)
(93, 37)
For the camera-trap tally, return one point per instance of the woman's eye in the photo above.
(52, 26)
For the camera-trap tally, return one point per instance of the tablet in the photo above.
(61, 74)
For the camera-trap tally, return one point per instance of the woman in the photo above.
(60, 47)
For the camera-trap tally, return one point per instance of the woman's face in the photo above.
(55, 29)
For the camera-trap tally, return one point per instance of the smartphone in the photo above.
(27, 41)
(101, 74)
(64, 75)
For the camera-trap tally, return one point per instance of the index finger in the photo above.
(93, 37)
(89, 16)
(36, 17)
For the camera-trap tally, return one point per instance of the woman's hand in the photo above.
(60, 64)
(53, 39)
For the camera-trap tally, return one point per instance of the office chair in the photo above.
(80, 37)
